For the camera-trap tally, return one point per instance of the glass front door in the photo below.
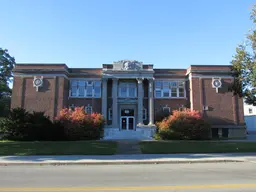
(127, 119)
(127, 123)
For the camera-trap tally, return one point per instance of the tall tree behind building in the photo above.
(244, 66)
(6, 65)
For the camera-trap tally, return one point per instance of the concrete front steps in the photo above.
(138, 134)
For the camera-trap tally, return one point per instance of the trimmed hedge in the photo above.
(187, 125)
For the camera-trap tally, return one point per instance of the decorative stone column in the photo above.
(114, 104)
(151, 101)
(104, 98)
(140, 102)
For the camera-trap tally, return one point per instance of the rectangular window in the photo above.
(181, 92)
(97, 89)
(73, 91)
(173, 84)
(123, 91)
(158, 93)
(81, 91)
(73, 88)
(89, 83)
(97, 84)
(132, 92)
(127, 90)
(181, 84)
(250, 110)
(173, 92)
(89, 91)
(169, 89)
(88, 109)
(167, 109)
(158, 84)
(166, 84)
(166, 92)
(81, 88)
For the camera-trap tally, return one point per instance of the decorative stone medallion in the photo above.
(216, 83)
(37, 82)
(128, 65)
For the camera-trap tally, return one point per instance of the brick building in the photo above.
(130, 94)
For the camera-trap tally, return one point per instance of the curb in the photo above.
(120, 162)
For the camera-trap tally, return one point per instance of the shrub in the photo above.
(186, 124)
(21, 125)
(161, 114)
(43, 129)
(78, 125)
(16, 125)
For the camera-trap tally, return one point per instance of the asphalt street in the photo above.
(206, 177)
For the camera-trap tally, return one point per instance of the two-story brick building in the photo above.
(130, 94)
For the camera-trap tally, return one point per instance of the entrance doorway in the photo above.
(127, 120)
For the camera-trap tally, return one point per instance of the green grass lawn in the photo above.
(58, 148)
(168, 147)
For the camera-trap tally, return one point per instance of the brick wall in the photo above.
(223, 107)
(79, 102)
(50, 98)
(43, 100)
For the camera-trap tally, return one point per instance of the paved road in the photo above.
(208, 177)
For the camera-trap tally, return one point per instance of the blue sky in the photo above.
(88, 33)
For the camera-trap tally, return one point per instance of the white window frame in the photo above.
(89, 85)
(98, 86)
(157, 88)
(172, 84)
(83, 86)
(88, 107)
(86, 82)
(166, 107)
(71, 86)
(127, 86)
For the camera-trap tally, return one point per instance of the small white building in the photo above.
(250, 117)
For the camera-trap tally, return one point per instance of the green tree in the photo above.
(244, 66)
(6, 65)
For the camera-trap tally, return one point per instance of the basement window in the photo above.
(215, 133)
(88, 109)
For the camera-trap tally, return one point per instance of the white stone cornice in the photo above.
(40, 74)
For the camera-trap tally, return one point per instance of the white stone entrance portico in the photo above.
(128, 113)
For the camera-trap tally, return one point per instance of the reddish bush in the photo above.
(186, 124)
(79, 125)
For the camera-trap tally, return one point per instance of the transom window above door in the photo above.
(127, 90)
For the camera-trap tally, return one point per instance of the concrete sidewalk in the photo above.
(127, 159)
